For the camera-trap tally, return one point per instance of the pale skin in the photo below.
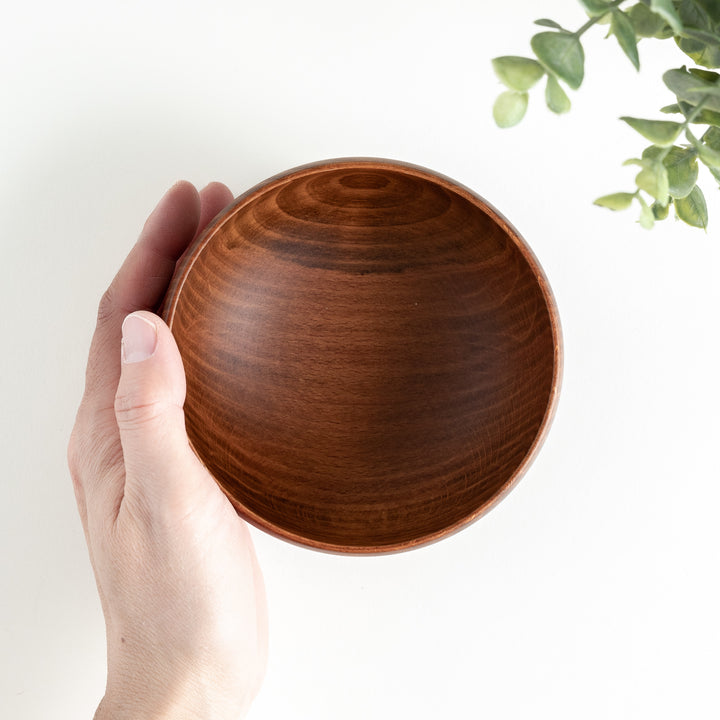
(176, 571)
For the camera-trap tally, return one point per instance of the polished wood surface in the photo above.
(372, 354)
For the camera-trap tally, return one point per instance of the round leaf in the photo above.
(711, 7)
(510, 108)
(690, 88)
(517, 73)
(693, 209)
(645, 22)
(692, 15)
(651, 153)
(712, 138)
(709, 156)
(555, 97)
(702, 46)
(666, 10)
(708, 117)
(660, 132)
(705, 75)
(654, 181)
(682, 169)
(595, 8)
(660, 212)
(616, 201)
(562, 54)
(705, 54)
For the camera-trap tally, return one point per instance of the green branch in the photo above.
(596, 19)
(668, 172)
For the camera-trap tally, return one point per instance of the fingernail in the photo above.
(139, 338)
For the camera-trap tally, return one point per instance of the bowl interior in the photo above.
(371, 354)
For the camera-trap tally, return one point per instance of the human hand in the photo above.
(180, 587)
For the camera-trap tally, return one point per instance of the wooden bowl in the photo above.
(372, 354)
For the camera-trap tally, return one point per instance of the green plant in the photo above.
(669, 167)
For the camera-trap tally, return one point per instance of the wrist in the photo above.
(113, 708)
(158, 699)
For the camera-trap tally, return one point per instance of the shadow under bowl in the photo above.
(372, 353)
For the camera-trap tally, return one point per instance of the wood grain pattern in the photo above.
(372, 355)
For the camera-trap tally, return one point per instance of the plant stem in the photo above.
(696, 111)
(685, 126)
(594, 20)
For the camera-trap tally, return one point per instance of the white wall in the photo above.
(592, 590)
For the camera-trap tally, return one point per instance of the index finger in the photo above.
(139, 285)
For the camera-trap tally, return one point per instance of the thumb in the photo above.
(159, 462)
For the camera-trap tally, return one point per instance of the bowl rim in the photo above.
(195, 249)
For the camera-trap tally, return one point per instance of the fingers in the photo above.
(95, 454)
(144, 276)
(161, 470)
(140, 284)
(213, 199)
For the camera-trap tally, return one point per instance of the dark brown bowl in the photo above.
(372, 354)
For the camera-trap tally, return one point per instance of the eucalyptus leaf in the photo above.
(517, 73)
(702, 53)
(651, 153)
(509, 109)
(666, 10)
(647, 218)
(546, 22)
(711, 149)
(690, 88)
(693, 209)
(562, 54)
(682, 170)
(703, 36)
(680, 164)
(667, 170)
(712, 138)
(654, 181)
(660, 132)
(623, 30)
(660, 211)
(708, 154)
(555, 97)
(595, 8)
(646, 23)
(691, 14)
(616, 201)
(704, 117)
(708, 117)
(707, 76)
(711, 7)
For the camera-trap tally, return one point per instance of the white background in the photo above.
(592, 590)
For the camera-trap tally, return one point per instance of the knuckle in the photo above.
(74, 457)
(107, 306)
(91, 449)
(132, 414)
